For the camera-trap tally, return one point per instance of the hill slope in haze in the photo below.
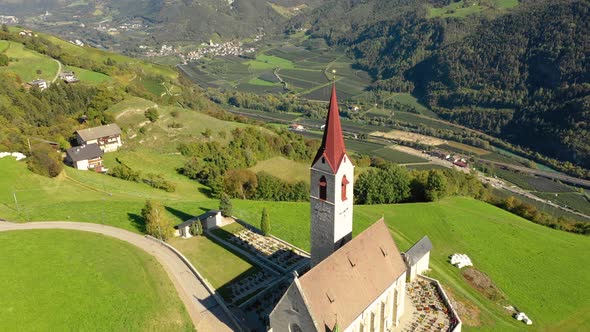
(167, 20)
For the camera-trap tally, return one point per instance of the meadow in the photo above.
(29, 65)
(96, 283)
(88, 76)
(461, 9)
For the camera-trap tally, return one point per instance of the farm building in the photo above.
(417, 258)
(68, 77)
(209, 220)
(39, 83)
(85, 157)
(108, 137)
(296, 127)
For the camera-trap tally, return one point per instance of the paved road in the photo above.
(204, 311)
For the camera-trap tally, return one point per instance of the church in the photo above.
(354, 284)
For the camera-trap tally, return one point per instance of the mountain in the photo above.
(166, 20)
(520, 72)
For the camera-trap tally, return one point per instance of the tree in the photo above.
(5, 28)
(436, 185)
(44, 160)
(157, 223)
(196, 228)
(225, 205)
(4, 60)
(265, 223)
(152, 114)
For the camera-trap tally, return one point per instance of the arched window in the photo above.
(295, 328)
(323, 188)
(344, 183)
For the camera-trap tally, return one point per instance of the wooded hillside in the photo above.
(522, 74)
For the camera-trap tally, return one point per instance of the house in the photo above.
(460, 163)
(68, 77)
(85, 157)
(418, 257)
(210, 219)
(39, 83)
(108, 137)
(296, 127)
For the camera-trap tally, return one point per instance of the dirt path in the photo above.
(204, 311)
(59, 69)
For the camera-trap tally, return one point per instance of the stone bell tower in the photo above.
(332, 177)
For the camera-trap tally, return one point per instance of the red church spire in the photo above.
(332, 147)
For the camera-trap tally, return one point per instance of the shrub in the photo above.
(157, 181)
(152, 114)
(44, 160)
(225, 205)
(125, 172)
(265, 223)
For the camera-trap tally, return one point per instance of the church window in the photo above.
(295, 328)
(323, 188)
(344, 183)
(323, 160)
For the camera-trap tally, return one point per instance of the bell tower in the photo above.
(332, 177)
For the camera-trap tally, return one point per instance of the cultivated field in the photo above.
(409, 137)
(306, 72)
(58, 280)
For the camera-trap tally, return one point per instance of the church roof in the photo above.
(418, 250)
(332, 147)
(348, 281)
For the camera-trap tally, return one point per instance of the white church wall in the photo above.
(381, 311)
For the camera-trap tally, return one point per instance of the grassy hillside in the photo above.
(58, 280)
(27, 64)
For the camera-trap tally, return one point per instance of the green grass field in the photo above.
(205, 256)
(61, 280)
(283, 168)
(398, 157)
(88, 76)
(28, 63)
(456, 9)
(264, 61)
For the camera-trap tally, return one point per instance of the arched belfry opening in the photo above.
(323, 188)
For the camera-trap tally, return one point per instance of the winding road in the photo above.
(205, 312)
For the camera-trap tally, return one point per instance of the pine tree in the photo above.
(157, 224)
(225, 205)
(265, 223)
(196, 228)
